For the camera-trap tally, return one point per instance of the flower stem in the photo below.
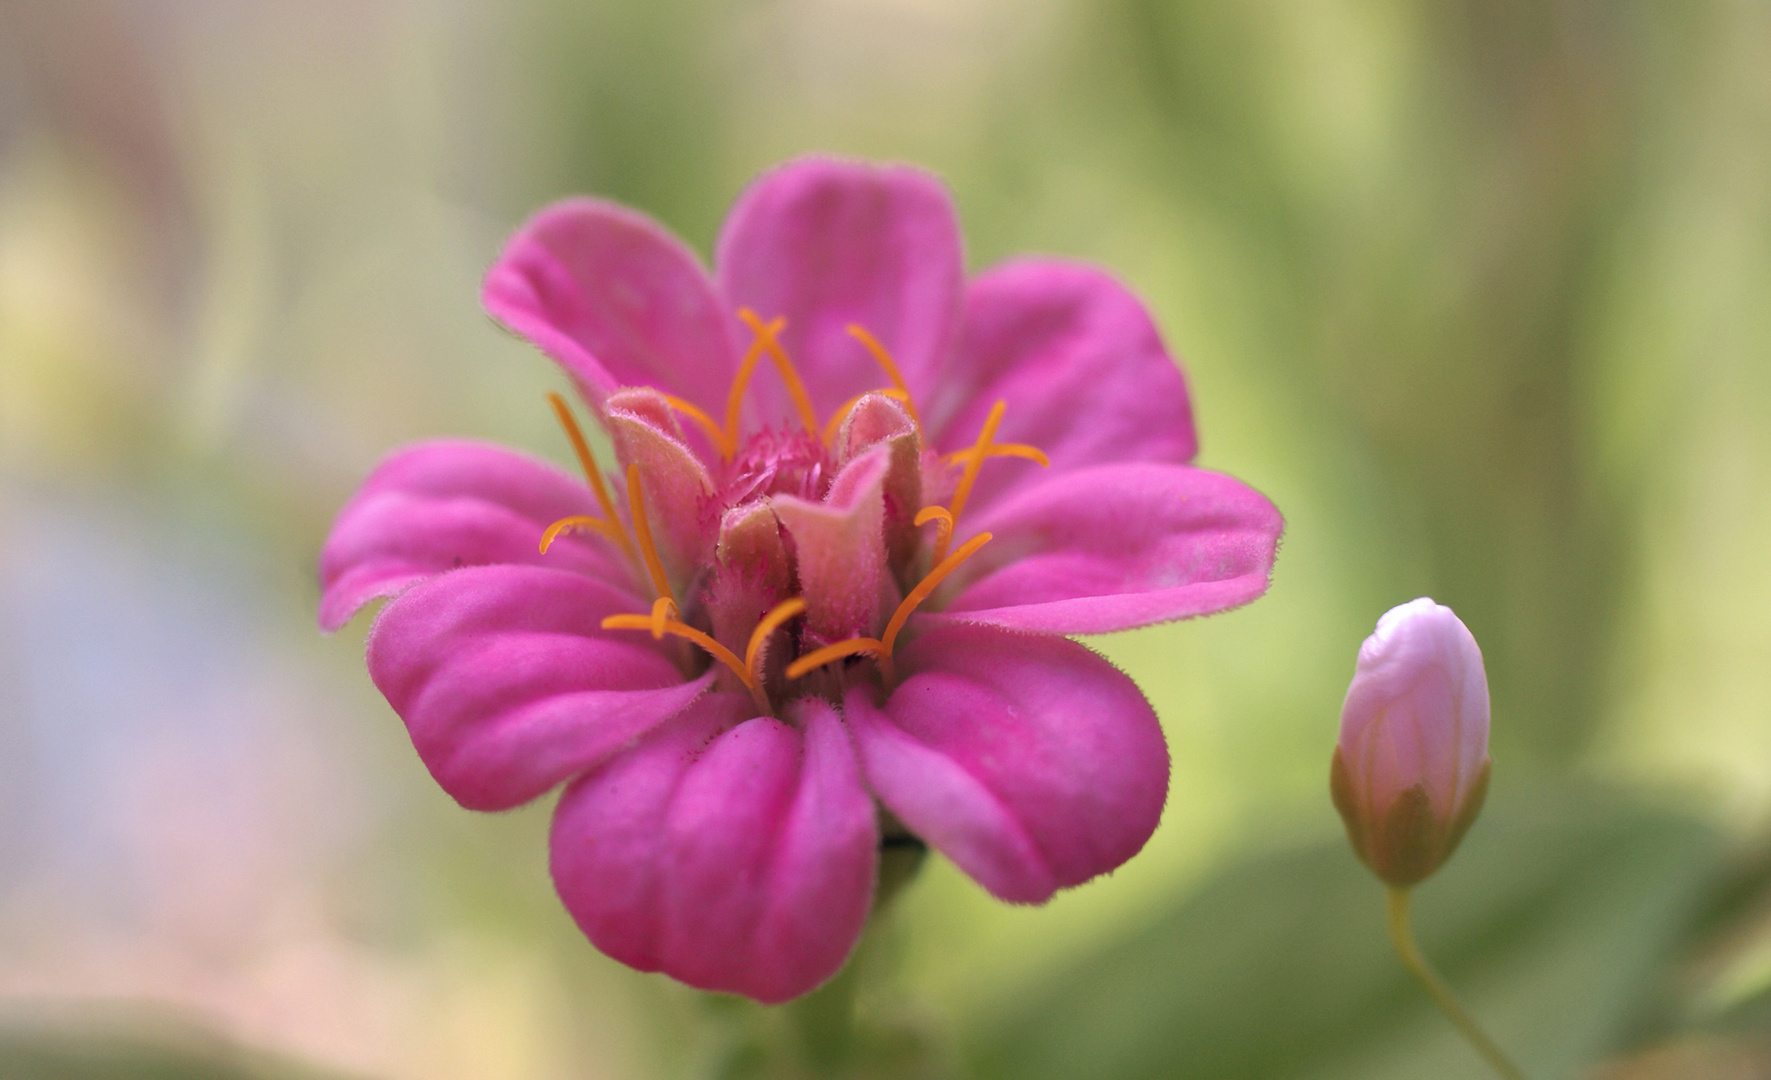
(1402, 936)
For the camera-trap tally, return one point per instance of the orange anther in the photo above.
(636, 505)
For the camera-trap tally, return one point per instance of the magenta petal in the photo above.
(440, 505)
(825, 243)
(732, 852)
(616, 299)
(509, 685)
(1080, 365)
(1029, 761)
(1117, 546)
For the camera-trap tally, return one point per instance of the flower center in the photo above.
(787, 462)
(778, 463)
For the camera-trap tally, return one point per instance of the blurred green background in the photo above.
(1478, 291)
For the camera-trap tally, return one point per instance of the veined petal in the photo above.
(452, 503)
(616, 299)
(1084, 372)
(825, 243)
(509, 685)
(732, 852)
(1116, 546)
(1029, 761)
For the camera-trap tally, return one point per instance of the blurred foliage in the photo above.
(1553, 924)
(1475, 290)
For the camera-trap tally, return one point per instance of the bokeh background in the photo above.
(1478, 291)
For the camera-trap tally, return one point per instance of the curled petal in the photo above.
(1079, 363)
(1117, 546)
(674, 481)
(616, 299)
(839, 547)
(441, 505)
(509, 685)
(732, 852)
(1026, 759)
(827, 243)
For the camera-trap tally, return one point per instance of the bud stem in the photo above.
(1402, 936)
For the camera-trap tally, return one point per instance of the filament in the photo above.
(769, 623)
(606, 527)
(843, 409)
(980, 450)
(715, 649)
(1007, 449)
(884, 359)
(817, 658)
(881, 647)
(721, 440)
(636, 504)
(746, 367)
(587, 461)
(765, 337)
(927, 585)
(943, 524)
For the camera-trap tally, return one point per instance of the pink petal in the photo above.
(1117, 546)
(1080, 365)
(616, 299)
(509, 685)
(733, 853)
(827, 242)
(1026, 759)
(440, 505)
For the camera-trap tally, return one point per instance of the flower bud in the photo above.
(1411, 767)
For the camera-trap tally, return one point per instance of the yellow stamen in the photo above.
(663, 609)
(746, 367)
(843, 409)
(769, 623)
(607, 528)
(980, 450)
(817, 658)
(765, 336)
(943, 523)
(1006, 449)
(884, 360)
(587, 462)
(636, 504)
(715, 433)
(715, 649)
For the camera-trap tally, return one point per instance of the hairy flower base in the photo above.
(812, 594)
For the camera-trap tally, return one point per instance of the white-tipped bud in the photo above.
(1411, 767)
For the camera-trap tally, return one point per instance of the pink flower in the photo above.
(1411, 768)
(859, 501)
